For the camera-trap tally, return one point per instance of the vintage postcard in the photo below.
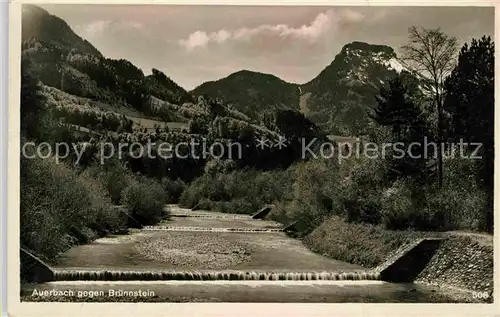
(252, 159)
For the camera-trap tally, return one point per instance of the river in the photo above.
(200, 256)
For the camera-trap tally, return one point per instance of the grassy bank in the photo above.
(357, 243)
(450, 268)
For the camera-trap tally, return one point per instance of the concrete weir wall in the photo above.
(457, 262)
(33, 269)
(408, 262)
(461, 262)
(263, 212)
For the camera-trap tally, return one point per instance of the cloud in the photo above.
(196, 39)
(323, 24)
(100, 27)
(96, 27)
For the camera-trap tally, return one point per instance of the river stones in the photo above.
(187, 250)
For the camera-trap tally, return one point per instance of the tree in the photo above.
(32, 105)
(294, 125)
(397, 110)
(470, 102)
(268, 119)
(432, 54)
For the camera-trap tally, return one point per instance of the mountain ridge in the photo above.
(252, 92)
(38, 24)
(63, 60)
(338, 99)
(343, 93)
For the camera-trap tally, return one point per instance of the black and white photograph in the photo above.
(256, 153)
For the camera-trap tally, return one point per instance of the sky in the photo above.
(195, 44)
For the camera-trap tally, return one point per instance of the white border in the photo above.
(16, 308)
(4, 64)
(433, 3)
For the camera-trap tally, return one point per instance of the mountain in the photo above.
(340, 97)
(338, 100)
(114, 98)
(252, 92)
(39, 25)
(161, 86)
(84, 88)
(61, 59)
(52, 49)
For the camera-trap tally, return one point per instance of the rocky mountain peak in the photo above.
(362, 49)
(41, 26)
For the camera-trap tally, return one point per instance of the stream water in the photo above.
(200, 256)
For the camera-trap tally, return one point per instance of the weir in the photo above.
(201, 229)
(89, 275)
(401, 267)
(33, 268)
(409, 261)
(263, 212)
(185, 215)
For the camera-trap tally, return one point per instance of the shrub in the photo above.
(463, 198)
(397, 208)
(114, 176)
(238, 206)
(192, 195)
(107, 219)
(281, 212)
(243, 191)
(59, 208)
(315, 189)
(145, 201)
(173, 189)
(451, 209)
(361, 191)
(205, 204)
(458, 204)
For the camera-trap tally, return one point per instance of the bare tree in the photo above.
(432, 54)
